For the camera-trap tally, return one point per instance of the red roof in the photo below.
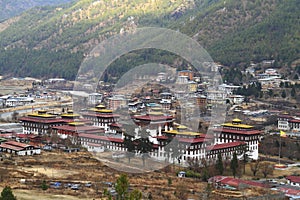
(42, 120)
(79, 128)
(294, 179)
(224, 146)
(30, 136)
(153, 118)
(17, 144)
(202, 138)
(100, 137)
(7, 146)
(239, 132)
(286, 116)
(116, 125)
(234, 182)
(191, 140)
(294, 120)
(101, 115)
(162, 137)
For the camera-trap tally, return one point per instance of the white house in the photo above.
(228, 89)
(236, 99)
(95, 98)
(93, 147)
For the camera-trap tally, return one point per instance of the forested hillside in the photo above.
(52, 41)
(11, 8)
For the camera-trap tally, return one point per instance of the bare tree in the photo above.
(266, 168)
(254, 166)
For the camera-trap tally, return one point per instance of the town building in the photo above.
(235, 131)
(289, 123)
(166, 104)
(226, 150)
(117, 101)
(187, 145)
(224, 182)
(180, 145)
(41, 122)
(72, 130)
(228, 89)
(201, 101)
(108, 143)
(187, 73)
(18, 101)
(155, 122)
(182, 79)
(101, 117)
(192, 86)
(95, 98)
(216, 97)
(236, 99)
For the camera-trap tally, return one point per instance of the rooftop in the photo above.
(244, 126)
(295, 179)
(224, 146)
(238, 132)
(234, 182)
(42, 120)
(99, 137)
(189, 133)
(153, 117)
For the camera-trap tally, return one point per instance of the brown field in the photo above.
(81, 168)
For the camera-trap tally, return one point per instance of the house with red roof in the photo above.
(110, 143)
(18, 148)
(226, 150)
(293, 180)
(226, 182)
(74, 128)
(291, 193)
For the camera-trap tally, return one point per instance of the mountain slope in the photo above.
(242, 31)
(73, 29)
(10, 8)
(234, 32)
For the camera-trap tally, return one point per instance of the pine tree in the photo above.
(7, 194)
(219, 165)
(44, 185)
(234, 164)
(293, 92)
(122, 187)
(283, 94)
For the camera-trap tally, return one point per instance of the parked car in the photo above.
(75, 187)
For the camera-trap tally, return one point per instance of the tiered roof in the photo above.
(236, 127)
